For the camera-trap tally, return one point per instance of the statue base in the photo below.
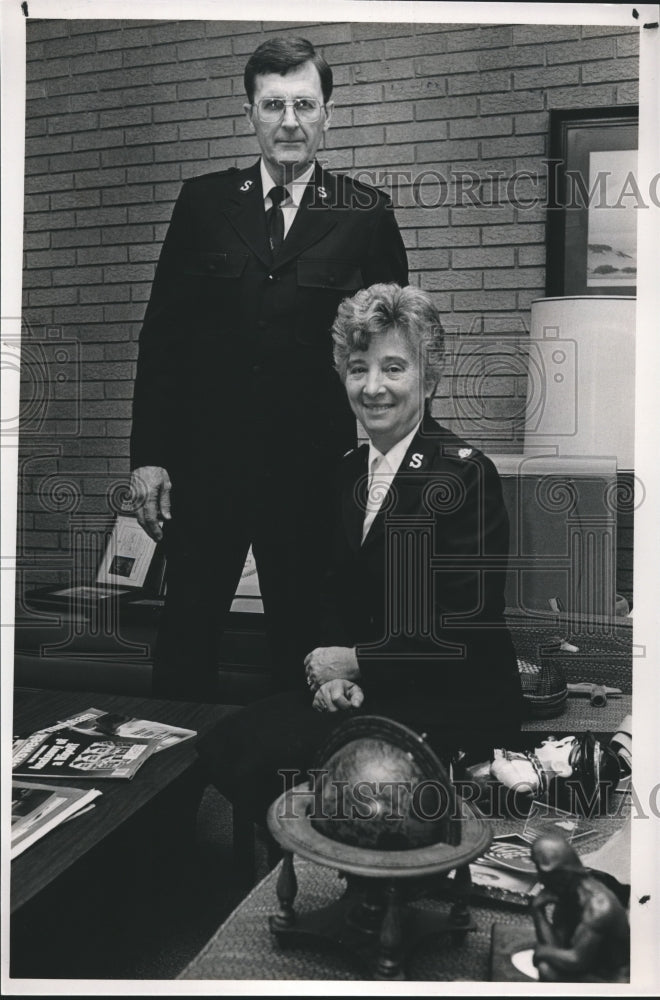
(505, 943)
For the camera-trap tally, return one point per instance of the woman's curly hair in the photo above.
(383, 308)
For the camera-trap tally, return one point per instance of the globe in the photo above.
(377, 784)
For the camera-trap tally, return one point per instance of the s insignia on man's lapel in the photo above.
(416, 461)
(246, 185)
(322, 192)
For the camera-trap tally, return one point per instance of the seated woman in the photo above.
(413, 625)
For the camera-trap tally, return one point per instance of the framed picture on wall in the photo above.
(593, 199)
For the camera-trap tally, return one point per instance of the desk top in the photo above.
(243, 947)
(38, 866)
(579, 715)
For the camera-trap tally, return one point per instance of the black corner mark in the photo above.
(24, 8)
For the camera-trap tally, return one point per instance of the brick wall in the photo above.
(119, 113)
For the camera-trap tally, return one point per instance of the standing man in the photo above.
(239, 418)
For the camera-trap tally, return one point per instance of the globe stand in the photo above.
(372, 922)
(391, 856)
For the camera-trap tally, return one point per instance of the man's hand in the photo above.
(327, 663)
(338, 695)
(150, 487)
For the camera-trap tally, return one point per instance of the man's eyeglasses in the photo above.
(272, 109)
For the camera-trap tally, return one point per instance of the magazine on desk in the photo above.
(506, 870)
(513, 851)
(94, 720)
(36, 809)
(73, 753)
(159, 735)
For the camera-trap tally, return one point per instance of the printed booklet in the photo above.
(507, 865)
(37, 809)
(510, 852)
(159, 734)
(73, 753)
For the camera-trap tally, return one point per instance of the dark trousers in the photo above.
(206, 543)
(256, 754)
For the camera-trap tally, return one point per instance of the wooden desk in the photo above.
(175, 768)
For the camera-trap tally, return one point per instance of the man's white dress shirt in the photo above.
(295, 188)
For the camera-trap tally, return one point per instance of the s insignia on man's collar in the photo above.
(416, 461)
(464, 452)
(246, 185)
(322, 192)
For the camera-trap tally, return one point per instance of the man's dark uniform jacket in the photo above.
(237, 398)
(422, 601)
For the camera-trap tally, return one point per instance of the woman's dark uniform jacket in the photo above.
(422, 599)
(237, 397)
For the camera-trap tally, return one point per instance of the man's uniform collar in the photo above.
(295, 188)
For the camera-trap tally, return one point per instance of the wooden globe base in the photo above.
(373, 922)
(376, 921)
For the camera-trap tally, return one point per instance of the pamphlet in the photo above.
(89, 593)
(502, 881)
(128, 555)
(544, 819)
(510, 852)
(73, 753)
(36, 809)
(159, 735)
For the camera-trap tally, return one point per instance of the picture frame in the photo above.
(592, 202)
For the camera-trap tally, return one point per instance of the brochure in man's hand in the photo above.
(36, 809)
(73, 753)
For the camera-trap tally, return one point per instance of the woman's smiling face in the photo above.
(385, 388)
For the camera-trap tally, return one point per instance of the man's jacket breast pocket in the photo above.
(322, 284)
(215, 264)
(333, 275)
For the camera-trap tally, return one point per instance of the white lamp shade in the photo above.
(581, 384)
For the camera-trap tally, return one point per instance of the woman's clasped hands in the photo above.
(332, 673)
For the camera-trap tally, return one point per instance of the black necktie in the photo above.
(275, 217)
